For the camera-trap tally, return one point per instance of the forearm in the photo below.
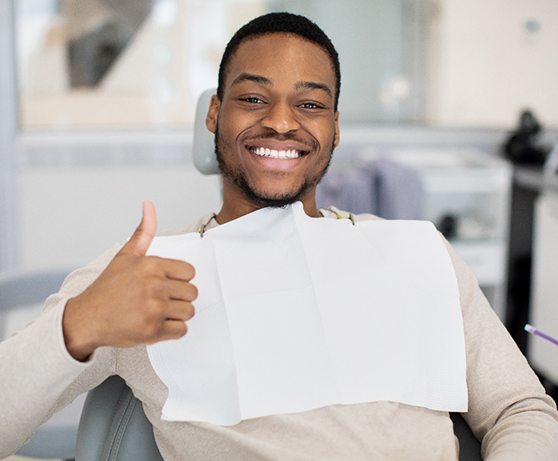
(36, 370)
(526, 430)
(508, 408)
(38, 376)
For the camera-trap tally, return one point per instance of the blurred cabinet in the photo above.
(543, 355)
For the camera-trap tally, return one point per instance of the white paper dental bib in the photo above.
(296, 313)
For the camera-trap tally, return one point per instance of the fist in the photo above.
(137, 299)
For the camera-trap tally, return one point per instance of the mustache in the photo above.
(271, 134)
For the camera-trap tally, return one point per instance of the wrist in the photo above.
(78, 331)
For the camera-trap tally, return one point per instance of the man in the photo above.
(275, 121)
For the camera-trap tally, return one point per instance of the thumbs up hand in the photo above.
(137, 299)
(144, 234)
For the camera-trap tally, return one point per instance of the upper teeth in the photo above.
(263, 152)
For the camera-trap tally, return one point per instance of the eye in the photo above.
(311, 106)
(252, 100)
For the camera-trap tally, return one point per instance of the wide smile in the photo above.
(277, 152)
(274, 153)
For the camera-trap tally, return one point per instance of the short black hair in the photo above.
(287, 23)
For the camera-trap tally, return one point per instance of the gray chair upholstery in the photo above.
(19, 290)
(203, 149)
(114, 427)
(469, 446)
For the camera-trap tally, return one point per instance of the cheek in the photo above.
(231, 131)
(226, 138)
(323, 128)
(326, 138)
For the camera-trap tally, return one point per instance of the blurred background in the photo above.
(449, 112)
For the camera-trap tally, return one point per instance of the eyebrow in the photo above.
(252, 78)
(302, 85)
(306, 85)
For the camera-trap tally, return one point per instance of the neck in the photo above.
(236, 207)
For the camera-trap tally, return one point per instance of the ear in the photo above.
(213, 114)
(337, 135)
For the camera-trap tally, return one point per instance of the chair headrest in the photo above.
(203, 145)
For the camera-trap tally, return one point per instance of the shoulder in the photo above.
(206, 221)
(336, 213)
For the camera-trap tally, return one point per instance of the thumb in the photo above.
(143, 235)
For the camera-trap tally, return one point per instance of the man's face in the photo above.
(275, 127)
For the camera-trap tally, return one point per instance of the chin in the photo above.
(267, 198)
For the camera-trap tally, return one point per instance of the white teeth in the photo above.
(272, 153)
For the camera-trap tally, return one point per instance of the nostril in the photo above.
(281, 122)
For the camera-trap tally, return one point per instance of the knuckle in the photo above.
(190, 270)
(177, 330)
(151, 264)
(190, 311)
(158, 310)
(193, 292)
(152, 330)
(152, 317)
(153, 287)
(155, 328)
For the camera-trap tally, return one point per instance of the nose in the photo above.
(281, 118)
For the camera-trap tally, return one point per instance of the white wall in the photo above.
(485, 66)
(69, 215)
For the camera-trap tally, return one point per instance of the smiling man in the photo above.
(275, 118)
(275, 121)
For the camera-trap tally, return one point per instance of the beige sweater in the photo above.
(508, 408)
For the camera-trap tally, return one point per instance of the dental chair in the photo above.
(113, 426)
(22, 293)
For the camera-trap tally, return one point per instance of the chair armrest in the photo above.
(114, 427)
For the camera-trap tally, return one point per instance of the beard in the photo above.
(262, 199)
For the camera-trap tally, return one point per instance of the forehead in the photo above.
(281, 57)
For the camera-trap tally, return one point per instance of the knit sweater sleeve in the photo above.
(37, 374)
(508, 407)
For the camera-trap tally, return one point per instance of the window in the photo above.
(140, 64)
(126, 64)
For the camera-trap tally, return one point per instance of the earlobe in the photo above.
(212, 114)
